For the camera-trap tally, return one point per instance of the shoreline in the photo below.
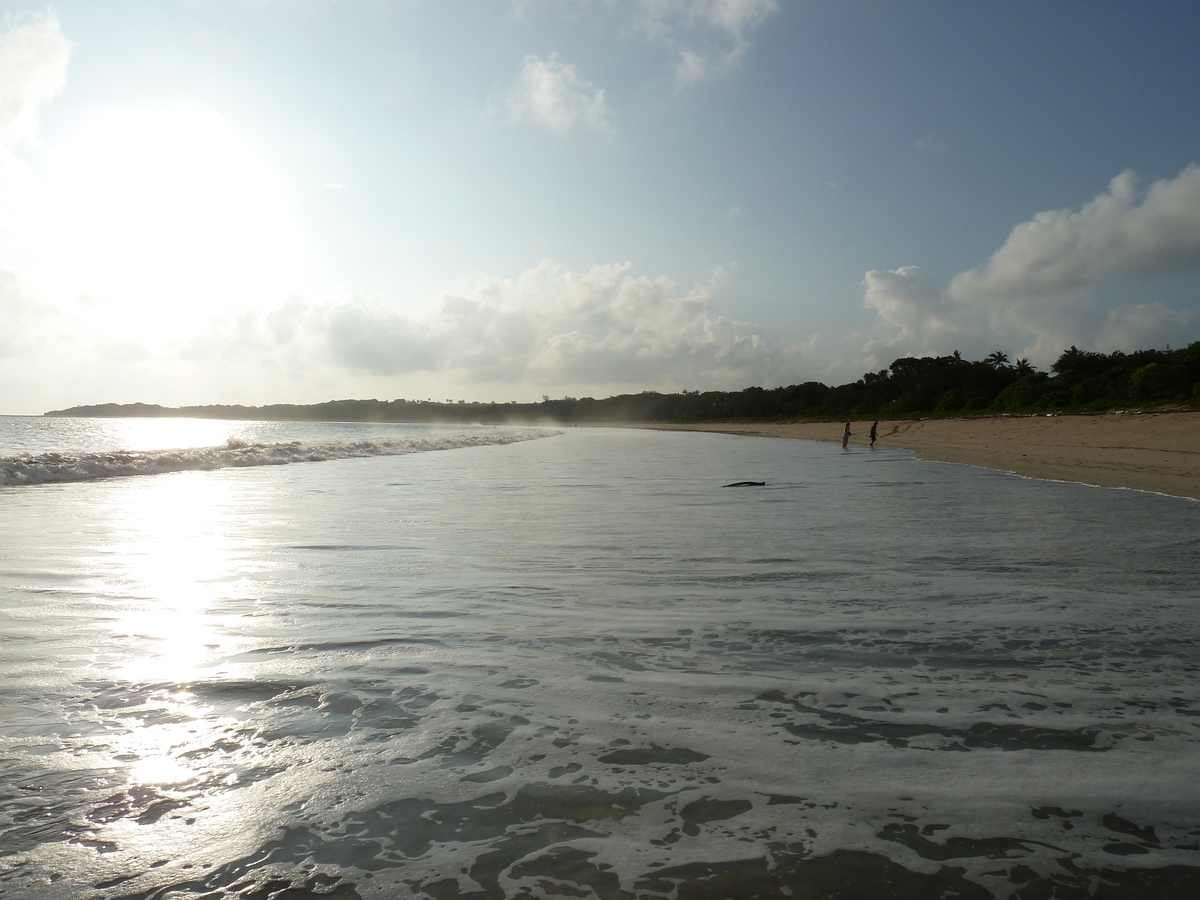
(1144, 451)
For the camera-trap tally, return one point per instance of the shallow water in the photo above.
(579, 666)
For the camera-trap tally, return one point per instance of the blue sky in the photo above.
(260, 201)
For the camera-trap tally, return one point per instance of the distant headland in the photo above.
(1080, 381)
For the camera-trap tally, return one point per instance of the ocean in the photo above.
(275, 661)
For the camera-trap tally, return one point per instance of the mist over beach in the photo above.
(615, 449)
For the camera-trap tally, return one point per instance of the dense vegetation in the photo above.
(1079, 381)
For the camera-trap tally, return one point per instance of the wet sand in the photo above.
(1144, 451)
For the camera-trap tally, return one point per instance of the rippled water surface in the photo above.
(578, 666)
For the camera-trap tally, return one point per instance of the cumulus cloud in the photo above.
(1122, 234)
(367, 335)
(1147, 325)
(549, 330)
(550, 93)
(916, 316)
(707, 36)
(1044, 285)
(553, 326)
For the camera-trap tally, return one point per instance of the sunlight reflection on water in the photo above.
(168, 560)
(171, 555)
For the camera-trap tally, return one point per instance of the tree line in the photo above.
(1080, 381)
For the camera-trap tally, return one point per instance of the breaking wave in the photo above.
(54, 468)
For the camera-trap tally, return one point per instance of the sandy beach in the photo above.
(1144, 451)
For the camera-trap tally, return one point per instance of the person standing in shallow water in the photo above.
(846, 436)
(874, 432)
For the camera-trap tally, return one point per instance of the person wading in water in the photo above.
(874, 433)
(846, 436)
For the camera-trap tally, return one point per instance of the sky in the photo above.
(293, 201)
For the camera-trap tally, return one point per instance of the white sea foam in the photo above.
(53, 468)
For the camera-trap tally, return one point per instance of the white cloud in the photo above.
(549, 330)
(1121, 234)
(1147, 325)
(1043, 286)
(550, 93)
(708, 36)
(552, 326)
(33, 69)
(366, 335)
(33, 64)
(917, 318)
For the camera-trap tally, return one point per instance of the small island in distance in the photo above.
(1080, 381)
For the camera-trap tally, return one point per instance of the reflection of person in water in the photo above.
(846, 436)
(874, 433)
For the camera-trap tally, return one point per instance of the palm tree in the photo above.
(997, 360)
(1023, 367)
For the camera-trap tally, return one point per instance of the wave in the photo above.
(56, 468)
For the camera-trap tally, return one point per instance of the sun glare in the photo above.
(171, 562)
(174, 555)
(160, 217)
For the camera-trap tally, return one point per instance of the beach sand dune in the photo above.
(1157, 451)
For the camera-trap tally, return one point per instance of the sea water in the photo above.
(451, 662)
